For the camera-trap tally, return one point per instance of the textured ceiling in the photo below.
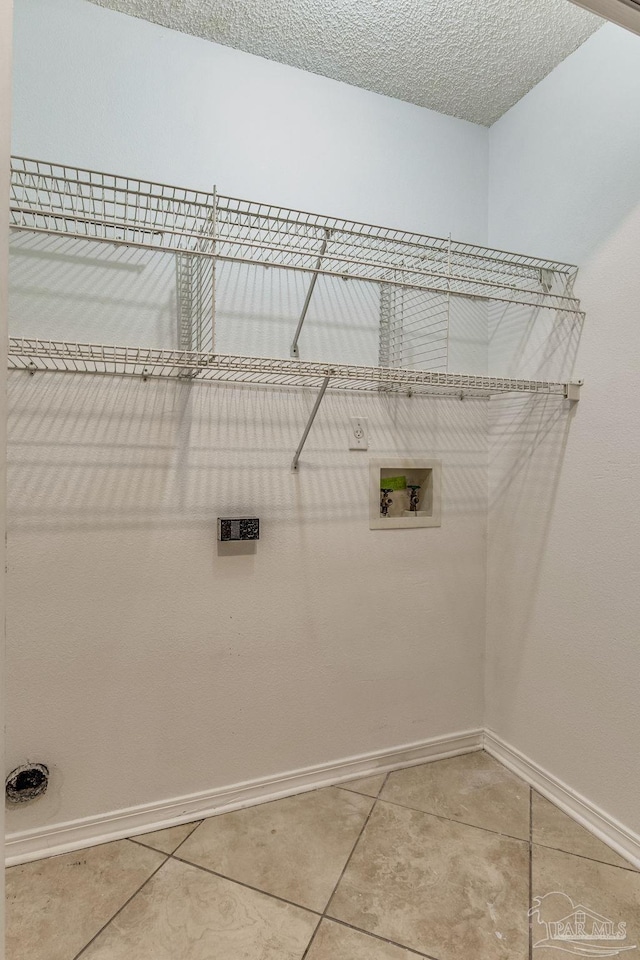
(467, 58)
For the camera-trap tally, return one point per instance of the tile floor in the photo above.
(444, 860)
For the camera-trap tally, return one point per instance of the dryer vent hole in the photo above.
(27, 782)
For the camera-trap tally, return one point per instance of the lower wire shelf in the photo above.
(62, 356)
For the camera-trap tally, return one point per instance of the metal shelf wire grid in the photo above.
(55, 355)
(59, 199)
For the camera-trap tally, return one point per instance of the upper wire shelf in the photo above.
(59, 199)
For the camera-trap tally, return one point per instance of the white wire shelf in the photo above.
(417, 276)
(35, 355)
(60, 199)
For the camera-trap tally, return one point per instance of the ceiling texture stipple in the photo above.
(472, 59)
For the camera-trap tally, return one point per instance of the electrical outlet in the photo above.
(358, 434)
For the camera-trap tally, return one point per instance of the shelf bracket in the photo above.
(572, 390)
(294, 352)
(316, 407)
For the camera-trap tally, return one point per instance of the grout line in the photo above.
(126, 904)
(530, 917)
(384, 783)
(148, 846)
(291, 903)
(463, 823)
(372, 796)
(377, 936)
(139, 843)
(572, 853)
(357, 792)
(583, 856)
(348, 860)
(326, 916)
(313, 936)
(241, 883)
(197, 824)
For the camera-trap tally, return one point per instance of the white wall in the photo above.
(6, 11)
(120, 94)
(143, 664)
(563, 639)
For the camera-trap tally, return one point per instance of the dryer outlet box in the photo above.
(240, 528)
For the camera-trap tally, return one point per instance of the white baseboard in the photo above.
(600, 824)
(60, 838)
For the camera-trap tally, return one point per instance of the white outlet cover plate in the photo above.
(358, 433)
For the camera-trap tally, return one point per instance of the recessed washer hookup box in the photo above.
(241, 528)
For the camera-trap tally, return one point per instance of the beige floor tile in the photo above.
(444, 888)
(553, 828)
(473, 789)
(336, 942)
(167, 840)
(564, 884)
(294, 848)
(369, 786)
(55, 906)
(184, 913)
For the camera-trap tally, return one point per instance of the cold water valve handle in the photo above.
(385, 501)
